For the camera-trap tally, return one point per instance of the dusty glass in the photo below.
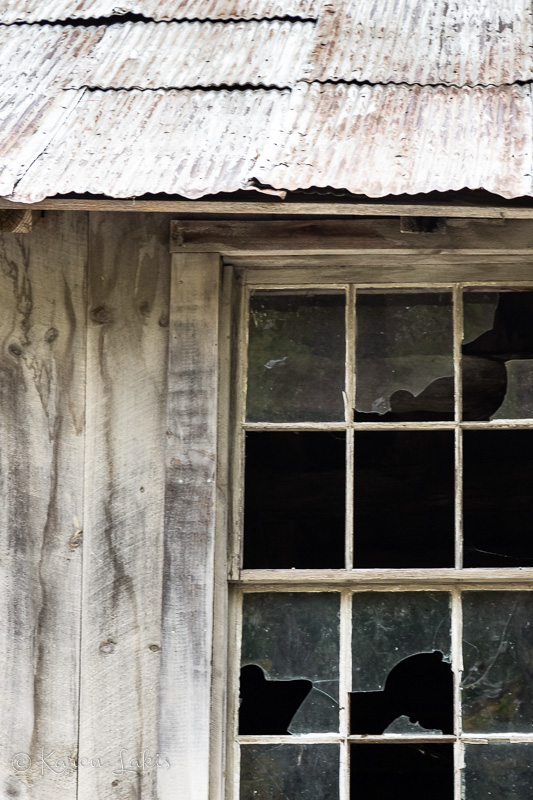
(404, 356)
(401, 681)
(293, 636)
(296, 357)
(497, 770)
(290, 772)
(498, 355)
(497, 685)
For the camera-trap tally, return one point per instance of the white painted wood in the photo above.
(190, 526)
(126, 401)
(42, 398)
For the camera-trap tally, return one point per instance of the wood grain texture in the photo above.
(400, 206)
(423, 273)
(42, 397)
(485, 578)
(126, 379)
(347, 236)
(189, 527)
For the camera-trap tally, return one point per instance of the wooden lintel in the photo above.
(348, 237)
(282, 208)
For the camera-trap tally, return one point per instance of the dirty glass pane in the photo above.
(400, 642)
(402, 772)
(498, 498)
(518, 400)
(295, 486)
(296, 361)
(294, 638)
(404, 499)
(498, 355)
(498, 662)
(290, 772)
(404, 356)
(495, 771)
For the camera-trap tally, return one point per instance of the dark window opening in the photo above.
(498, 498)
(268, 706)
(401, 771)
(404, 499)
(419, 687)
(294, 500)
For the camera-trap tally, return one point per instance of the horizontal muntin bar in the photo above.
(391, 578)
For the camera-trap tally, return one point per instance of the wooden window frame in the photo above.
(237, 257)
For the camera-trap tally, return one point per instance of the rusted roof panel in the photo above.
(54, 10)
(127, 143)
(368, 140)
(482, 42)
(33, 58)
(32, 101)
(193, 54)
(403, 140)
(455, 42)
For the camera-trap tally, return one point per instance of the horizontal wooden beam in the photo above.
(437, 271)
(348, 237)
(208, 207)
(302, 578)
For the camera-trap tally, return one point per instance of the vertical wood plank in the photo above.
(189, 526)
(129, 271)
(42, 397)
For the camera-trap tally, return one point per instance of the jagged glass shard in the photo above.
(404, 725)
(404, 356)
(497, 684)
(290, 772)
(296, 357)
(498, 355)
(295, 636)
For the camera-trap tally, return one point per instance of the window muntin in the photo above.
(440, 413)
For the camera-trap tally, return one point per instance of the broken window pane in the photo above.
(401, 771)
(498, 661)
(291, 636)
(294, 512)
(290, 772)
(498, 771)
(498, 355)
(296, 357)
(404, 356)
(401, 681)
(404, 499)
(498, 498)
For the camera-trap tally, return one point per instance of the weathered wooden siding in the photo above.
(190, 526)
(42, 398)
(84, 321)
(129, 270)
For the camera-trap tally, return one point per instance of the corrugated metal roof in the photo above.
(54, 10)
(154, 55)
(456, 42)
(377, 41)
(127, 143)
(189, 54)
(368, 140)
(403, 140)
(386, 137)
